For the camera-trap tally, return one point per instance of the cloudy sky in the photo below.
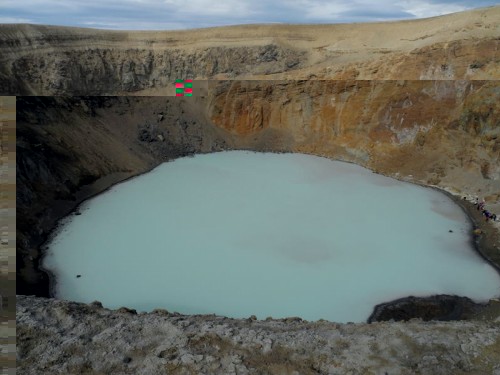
(182, 14)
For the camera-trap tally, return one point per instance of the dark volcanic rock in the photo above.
(440, 307)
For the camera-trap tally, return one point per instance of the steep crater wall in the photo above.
(107, 71)
(50, 60)
(429, 132)
(445, 133)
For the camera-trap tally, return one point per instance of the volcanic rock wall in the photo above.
(48, 60)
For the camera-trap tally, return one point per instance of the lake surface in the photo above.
(240, 233)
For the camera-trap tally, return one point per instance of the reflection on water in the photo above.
(447, 211)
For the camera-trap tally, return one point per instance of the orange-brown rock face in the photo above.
(436, 132)
(459, 59)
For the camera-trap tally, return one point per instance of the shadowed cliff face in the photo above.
(101, 71)
(47, 60)
(69, 149)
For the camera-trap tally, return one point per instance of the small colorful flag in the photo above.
(183, 87)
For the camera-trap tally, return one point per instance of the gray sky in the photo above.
(183, 14)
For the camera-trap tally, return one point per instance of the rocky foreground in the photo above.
(60, 337)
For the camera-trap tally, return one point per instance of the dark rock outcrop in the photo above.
(440, 307)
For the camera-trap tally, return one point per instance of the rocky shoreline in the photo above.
(436, 307)
(447, 307)
(487, 243)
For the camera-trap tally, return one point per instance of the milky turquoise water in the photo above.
(240, 233)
